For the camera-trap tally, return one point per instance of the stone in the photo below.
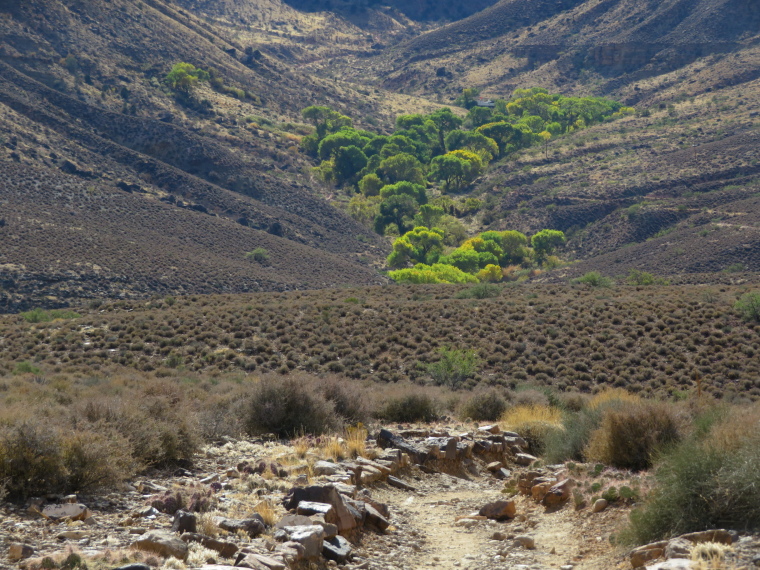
(310, 537)
(673, 564)
(525, 541)
(293, 520)
(254, 526)
(450, 453)
(370, 474)
(336, 548)
(643, 554)
(399, 484)
(715, 535)
(525, 459)
(330, 529)
(494, 429)
(498, 536)
(678, 548)
(499, 510)
(503, 473)
(344, 519)
(375, 519)
(599, 505)
(326, 468)
(559, 493)
(73, 511)
(135, 566)
(292, 551)
(308, 508)
(495, 466)
(539, 491)
(268, 561)
(162, 543)
(225, 549)
(71, 535)
(18, 551)
(184, 521)
(210, 479)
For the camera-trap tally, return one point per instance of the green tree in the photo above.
(325, 120)
(420, 245)
(479, 116)
(404, 188)
(395, 210)
(347, 163)
(436, 273)
(454, 366)
(428, 216)
(476, 142)
(468, 98)
(343, 138)
(445, 121)
(449, 169)
(184, 76)
(748, 306)
(401, 167)
(370, 185)
(546, 242)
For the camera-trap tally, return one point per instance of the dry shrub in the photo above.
(410, 408)
(38, 458)
(631, 433)
(612, 396)
(288, 407)
(535, 423)
(333, 448)
(530, 397)
(484, 405)
(348, 400)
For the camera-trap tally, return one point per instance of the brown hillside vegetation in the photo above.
(654, 340)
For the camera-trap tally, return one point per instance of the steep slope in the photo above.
(82, 103)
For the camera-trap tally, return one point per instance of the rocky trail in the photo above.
(425, 499)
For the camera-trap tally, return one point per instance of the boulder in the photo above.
(294, 520)
(264, 561)
(499, 510)
(525, 459)
(336, 548)
(643, 554)
(494, 466)
(599, 505)
(308, 508)
(162, 543)
(293, 552)
(326, 468)
(374, 519)
(559, 493)
(399, 484)
(494, 429)
(185, 521)
(678, 548)
(344, 518)
(73, 511)
(254, 526)
(18, 551)
(225, 549)
(310, 537)
(715, 535)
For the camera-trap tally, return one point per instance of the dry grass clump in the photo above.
(535, 423)
(612, 396)
(631, 433)
(710, 555)
(356, 441)
(268, 512)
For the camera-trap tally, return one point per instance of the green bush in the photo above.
(454, 366)
(748, 306)
(43, 316)
(480, 291)
(25, 368)
(631, 433)
(288, 407)
(259, 255)
(487, 405)
(642, 278)
(410, 408)
(595, 279)
(571, 443)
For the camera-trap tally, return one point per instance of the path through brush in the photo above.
(429, 531)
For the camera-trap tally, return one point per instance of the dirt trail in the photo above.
(428, 535)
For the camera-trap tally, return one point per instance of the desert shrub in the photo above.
(535, 423)
(348, 400)
(701, 486)
(630, 435)
(39, 458)
(527, 397)
(43, 316)
(487, 405)
(643, 278)
(25, 368)
(594, 279)
(748, 306)
(571, 442)
(454, 366)
(410, 408)
(480, 291)
(288, 407)
(259, 255)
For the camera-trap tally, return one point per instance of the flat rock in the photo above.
(162, 543)
(18, 551)
(525, 459)
(499, 510)
(310, 537)
(308, 508)
(254, 526)
(374, 519)
(294, 520)
(326, 468)
(643, 554)
(715, 535)
(225, 549)
(494, 466)
(399, 484)
(344, 519)
(74, 511)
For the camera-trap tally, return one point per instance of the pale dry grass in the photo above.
(532, 414)
(334, 448)
(612, 395)
(356, 441)
(268, 512)
(732, 432)
(206, 524)
(711, 556)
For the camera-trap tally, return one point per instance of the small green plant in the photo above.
(748, 306)
(454, 366)
(594, 279)
(43, 316)
(642, 278)
(480, 291)
(184, 76)
(259, 255)
(734, 268)
(26, 368)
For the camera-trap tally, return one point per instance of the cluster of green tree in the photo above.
(483, 258)
(184, 77)
(389, 173)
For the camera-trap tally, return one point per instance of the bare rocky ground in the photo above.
(433, 498)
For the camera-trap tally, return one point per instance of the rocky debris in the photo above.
(18, 551)
(676, 547)
(399, 484)
(162, 543)
(293, 520)
(337, 548)
(260, 562)
(499, 510)
(599, 505)
(342, 516)
(326, 468)
(559, 493)
(225, 549)
(525, 459)
(374, 519)
(310, 537)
